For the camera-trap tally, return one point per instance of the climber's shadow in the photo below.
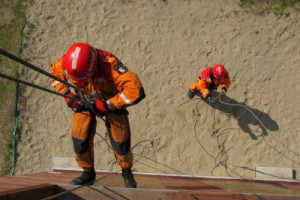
(244, 117)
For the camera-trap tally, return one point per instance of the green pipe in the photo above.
(14, 144)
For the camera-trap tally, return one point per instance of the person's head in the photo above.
(80, 61)
(219, 71)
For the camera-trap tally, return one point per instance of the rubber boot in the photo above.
(86, 178)
(128, 178)
(191, 94)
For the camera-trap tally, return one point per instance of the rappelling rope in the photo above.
(81, 99)
(234, 104)
(31, 85)
(227, 164)
(86, 101)
(27, 64)
(259, 121)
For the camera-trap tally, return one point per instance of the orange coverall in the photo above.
(207, 82)
(122, 87)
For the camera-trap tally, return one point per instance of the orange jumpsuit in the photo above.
(121, 87)
(207, 82)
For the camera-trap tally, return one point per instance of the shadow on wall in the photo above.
(240, 112)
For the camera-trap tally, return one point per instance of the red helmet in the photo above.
(80, 61)
(219, 71)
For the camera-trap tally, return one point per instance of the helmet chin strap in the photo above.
(80, 79)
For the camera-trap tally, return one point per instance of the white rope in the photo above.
(231, 104)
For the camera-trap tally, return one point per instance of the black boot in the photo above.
(191, 94)
(87, 177)
(128, 178)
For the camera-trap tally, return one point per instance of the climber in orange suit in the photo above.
(209, 80)
(115, 87)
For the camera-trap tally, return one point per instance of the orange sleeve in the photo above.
(130, 89)
(129, 86)
(225, 83)
(201, 86)
(56, 70)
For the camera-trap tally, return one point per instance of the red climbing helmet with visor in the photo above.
(219, 71)
(80, 61)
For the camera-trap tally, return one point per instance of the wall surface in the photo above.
(168, 44)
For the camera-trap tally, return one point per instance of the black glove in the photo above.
(72, 100)
(191, 94)
(210, 99)
(80, 103)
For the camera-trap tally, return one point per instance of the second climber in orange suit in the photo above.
(209, 80)
(102, 74)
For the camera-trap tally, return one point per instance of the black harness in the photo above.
(212, 85)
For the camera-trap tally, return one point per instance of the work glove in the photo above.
(101, 106)
(191, 94)
(210, 99)
(72, 102)
(223, 91)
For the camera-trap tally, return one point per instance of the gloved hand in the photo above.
(101, 106)
(223, 91)
(210, 99)
(191, 94)
(72, 102)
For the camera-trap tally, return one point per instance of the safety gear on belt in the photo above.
(219, 71)
(86, 178)
(80, 61)
(128, 178)
(210, 99)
